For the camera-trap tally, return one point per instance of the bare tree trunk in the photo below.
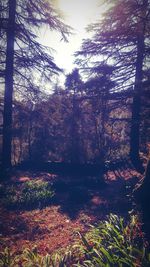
(74, 132)
(8, 96)
(136, 106)
(29, 137)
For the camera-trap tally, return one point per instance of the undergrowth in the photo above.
(112, 243)
(30, 194)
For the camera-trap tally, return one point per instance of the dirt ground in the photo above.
(78, 202)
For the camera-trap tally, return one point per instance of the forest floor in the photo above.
(78, 202)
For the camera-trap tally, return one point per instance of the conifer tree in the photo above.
(122, 39)
(24, 62)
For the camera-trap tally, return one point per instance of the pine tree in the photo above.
(24, 62)
(122, 39)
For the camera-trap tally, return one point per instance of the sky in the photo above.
(77, 14)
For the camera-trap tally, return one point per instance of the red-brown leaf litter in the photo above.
(82, 201)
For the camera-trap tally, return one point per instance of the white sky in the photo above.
(78, 14)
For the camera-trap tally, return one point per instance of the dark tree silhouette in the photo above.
(7, 117)
(24, 62)
(74, 86)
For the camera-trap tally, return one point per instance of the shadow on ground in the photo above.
(95, 189)
(79, 199)
(94, 195)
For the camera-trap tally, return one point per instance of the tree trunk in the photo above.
(8, 96)
(74, 132)
(136, 106)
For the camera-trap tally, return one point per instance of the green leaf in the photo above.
(106, 254)
(85, 242)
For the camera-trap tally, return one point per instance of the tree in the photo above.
(7, 117)
(98, 88)
(25, 63)
(74, 86)
(122, 40)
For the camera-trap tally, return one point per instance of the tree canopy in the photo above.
(116, 38)
(33, 62)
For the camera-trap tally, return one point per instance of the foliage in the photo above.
(121, 40)
(6, 258)
(84, 122)
(31, 258)
(115, 39)
(29, 194)
(24, 61)
(114, 243)
(73, 82)
(55, 131)
(33, 62)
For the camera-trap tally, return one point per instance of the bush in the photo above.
(29, 194)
